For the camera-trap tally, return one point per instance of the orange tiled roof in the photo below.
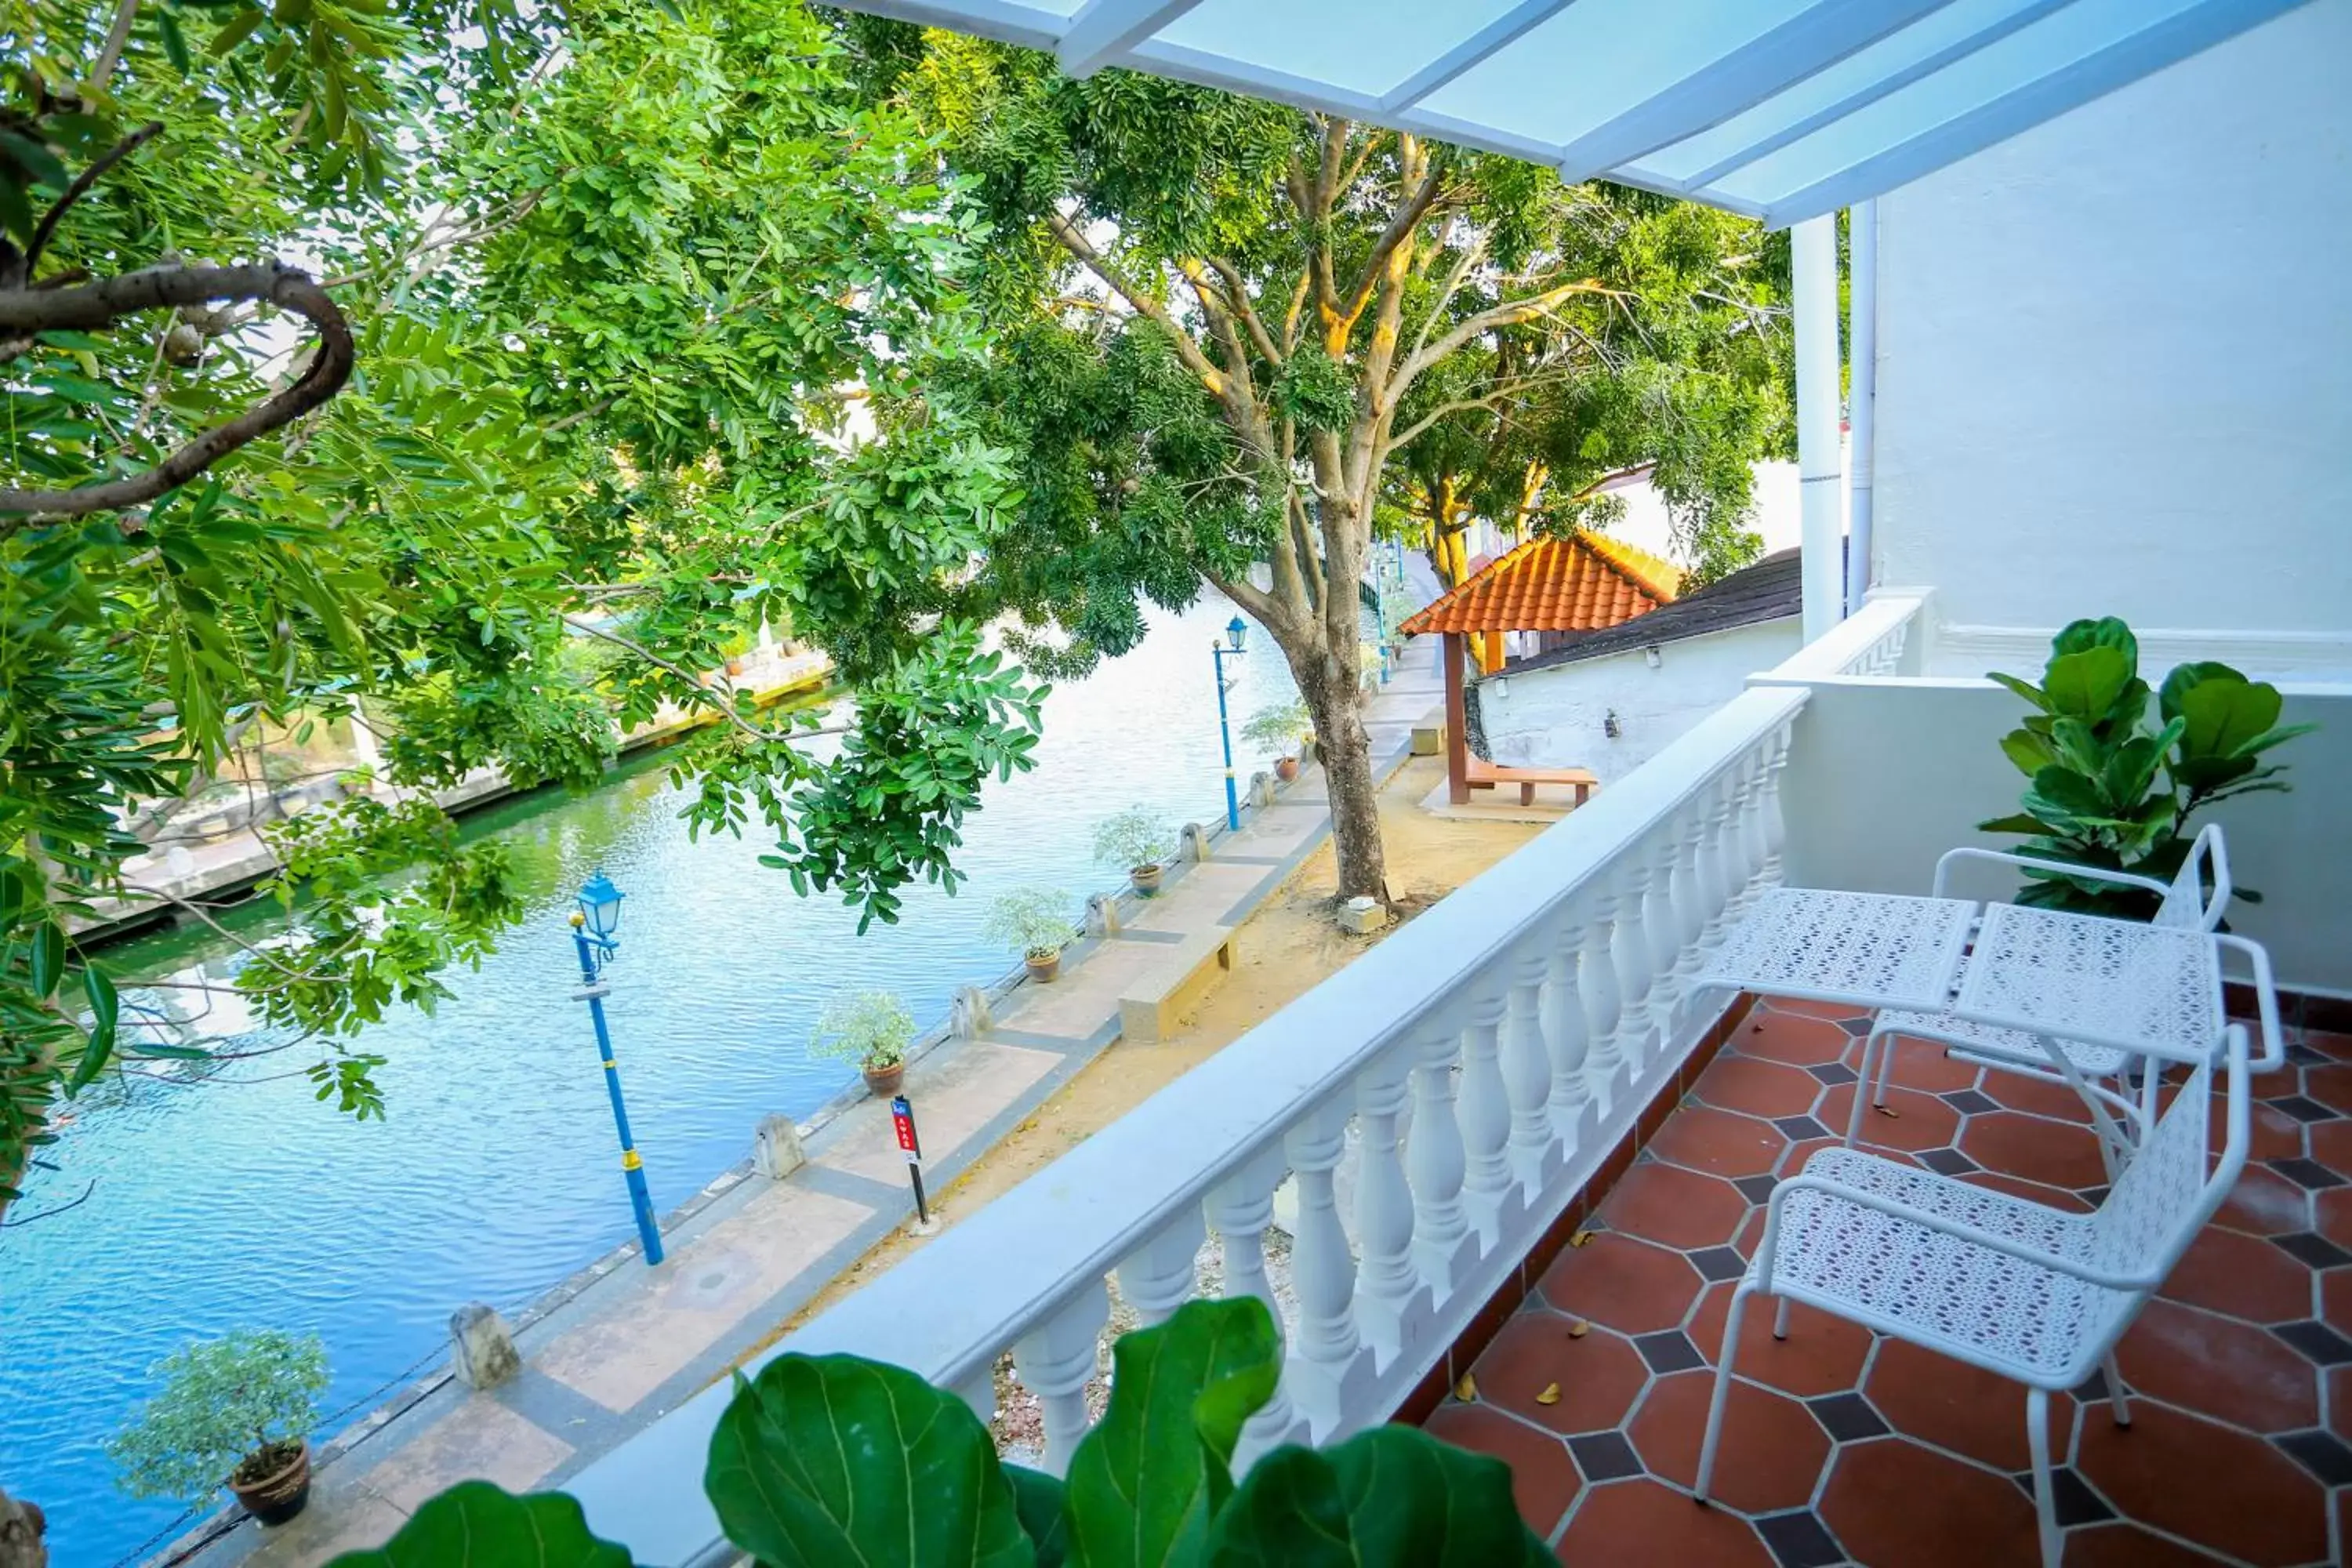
(1580, 584)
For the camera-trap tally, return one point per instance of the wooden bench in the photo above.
(1484, 774)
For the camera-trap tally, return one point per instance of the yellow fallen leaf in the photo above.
(1888, 1112)
(1582, 1238)
(1551, 1396)
(1467, 1390)
(1578, 1329)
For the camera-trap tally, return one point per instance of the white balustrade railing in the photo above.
(1477, 1073)
(1869, 641)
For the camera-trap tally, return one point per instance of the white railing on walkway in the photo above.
(1869, 641)
(1488, 1061)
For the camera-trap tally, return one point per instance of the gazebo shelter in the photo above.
(1555, 588)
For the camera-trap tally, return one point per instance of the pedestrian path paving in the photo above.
(622, 1344)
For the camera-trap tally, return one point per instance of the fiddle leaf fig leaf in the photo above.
(1146, 1483)
(477, 1525)
(2029, 752)
(2024, 689)
(2224, 715)
(2016, 822)
(1390, 1497)
(2186, 676)
(832, 1459)
(2086, 685)
(2105, 632)
(1038, 1497)
(2060, 795)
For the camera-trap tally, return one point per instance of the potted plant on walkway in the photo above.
(237, 1411)
(1285, 729)
(1138, 840)
(1035, 923)
(872, 1028)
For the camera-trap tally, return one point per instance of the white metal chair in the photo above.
(2195, 900)
(2031, 1292)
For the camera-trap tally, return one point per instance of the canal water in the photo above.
(241, 1202)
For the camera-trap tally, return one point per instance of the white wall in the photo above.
(1556, 717)
(2115, 355)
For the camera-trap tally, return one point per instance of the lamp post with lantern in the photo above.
(594, 925)
(1236, 635)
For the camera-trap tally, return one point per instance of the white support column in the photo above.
(1862, 348)
(1814, 256)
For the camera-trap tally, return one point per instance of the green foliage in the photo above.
(1134, 838)
(2094, 765)
(223, 1402)
(1285, 724)
(870, 1028)
(823, 1460)
(1033, 921)
(476, 1525)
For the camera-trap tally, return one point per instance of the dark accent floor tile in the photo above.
(1756, 1189)
(1716, 1263)
(1797, 1129)
(1833, 1073)
(2093, 1388)
(1946, 1162)
(1605, 1457)
(2324, 1454)
(1669, 1352)
(2094, 1196)
(1968, 1102)
(1857, 1027)
(1799, 1540)
(2303, 1056)
(1847, 1416)
(2311, 1250)
(2309, 1174)
(2317, 1341)
(2304, 1109)
(2071, 1496)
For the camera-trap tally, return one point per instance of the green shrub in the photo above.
(2106, 790)
(869, 1028)
(1133, 839)
(826, 1460)
(241, 1403)
(1282, 726)
(1033, 921)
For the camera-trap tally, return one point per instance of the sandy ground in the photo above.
(1287, 946)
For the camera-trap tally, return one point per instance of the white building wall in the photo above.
(2116, 359)
(1557, 717)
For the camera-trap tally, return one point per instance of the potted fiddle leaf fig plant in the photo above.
(1139, 840)
(237, 1412)
(1285, 729)
(871, 1028)
(2107, 788)
(1035, 923)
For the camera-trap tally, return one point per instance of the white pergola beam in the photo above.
(1487, 41)
(1820, 36)
(1894, 81)
(1104, 29)
(2119, 64)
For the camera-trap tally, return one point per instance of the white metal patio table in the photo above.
(1867, 950)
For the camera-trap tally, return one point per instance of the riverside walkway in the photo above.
(619, 1344)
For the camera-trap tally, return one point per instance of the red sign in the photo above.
(902, 1121)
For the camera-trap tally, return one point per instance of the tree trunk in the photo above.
(1334, 692)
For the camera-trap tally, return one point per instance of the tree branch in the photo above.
(1065, 233)
(1492, 320)
(1407, 218)
(81, 188)
(118, 36)
(1237, 295)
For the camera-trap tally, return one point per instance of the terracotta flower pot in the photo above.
(1286, 768)
(884, 1082)
(1043, 970)
(280, 1495)
(1146, 880)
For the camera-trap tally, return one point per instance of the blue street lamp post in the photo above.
(1236, 633)
(592, 925)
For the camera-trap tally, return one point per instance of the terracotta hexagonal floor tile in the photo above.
(1833, 1011)
(2331, 1144)
(2128, 1546)
(1680, 1208)
(1624, 1283)
(2329, 1045)
(2335, 1307)
(1919, 1120)
(1640, 1524)
(1597, 1374)
(1719, 1142)
(1759, 1088)
(2164, 1470)
(2037, 1096)
(2242, 1277)
(1894, 1503)
(1957, 1406)
(1772, 1451)
(1822, 1354)
(2034, 1148)
(1544, 1480)
(2333, 1211)
(2220, 1367)
(2329, 1086)
(1790, 1038)
(2032, 1191)
(2264, 1203)
(1922, 1065)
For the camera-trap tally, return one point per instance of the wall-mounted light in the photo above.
(1611, 728)
(1502, 686)
(1650, 652)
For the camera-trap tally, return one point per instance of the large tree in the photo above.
(388, 352)
(1224, 321)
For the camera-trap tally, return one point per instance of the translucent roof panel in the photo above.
(1782, 109)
